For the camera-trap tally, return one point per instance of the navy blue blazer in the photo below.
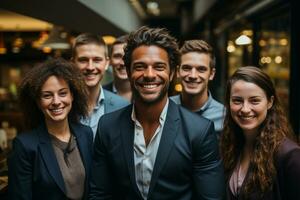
(187, 165)
(109, 87)
(113, 102)
(33, 170)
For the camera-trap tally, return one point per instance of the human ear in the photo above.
(270, 103)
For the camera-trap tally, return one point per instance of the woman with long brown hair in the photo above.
(260, 160)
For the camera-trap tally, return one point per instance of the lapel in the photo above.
(49, 157)
(82, 146)
(169, 134)
(127, 135)
(108, 102)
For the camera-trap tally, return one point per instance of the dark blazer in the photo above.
(34, 172)
(286, 185)
(109, 86)
(187, 164)
(113, 101)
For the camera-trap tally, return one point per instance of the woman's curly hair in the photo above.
(31, 84)
(271, 133)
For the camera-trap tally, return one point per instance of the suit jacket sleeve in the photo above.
(290, 161)
(208, 172)
(100, 184)
(19, 173)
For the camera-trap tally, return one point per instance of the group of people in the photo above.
(134, 142)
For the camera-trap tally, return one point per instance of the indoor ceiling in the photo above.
(10, 21)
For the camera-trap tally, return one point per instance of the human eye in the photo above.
(97, 60)
(46, 96)
(63, 93)
(255, 100)
(201, 69)
(186, 68)
(117, 56)
(236, 101)
(138, 67)
(82, 60)
(160, 67)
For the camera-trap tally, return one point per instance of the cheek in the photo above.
(234, 109)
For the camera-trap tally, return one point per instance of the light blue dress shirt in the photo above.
(93, 119)
(212, 110)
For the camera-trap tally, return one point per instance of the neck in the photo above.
(248, 146)
(123, 88)
(61, 130)
(194, 102)
(146, 113)
(94, 93)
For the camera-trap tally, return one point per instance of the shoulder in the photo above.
(81, 128)
(28, 136)
(176, 99)
(215, 105)
(112, 97)
(108, 86)
(287, 157)
(196, 125)
(112, 117)
(28, 140)
(288, 149)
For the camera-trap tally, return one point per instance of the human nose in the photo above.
(90, 64)
(149, 72)
(56, 100)
(121, 61)
(246, 107)
(193, 73)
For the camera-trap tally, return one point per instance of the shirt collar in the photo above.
(162, 117)
(100, 98)
(114, 89)
(207, 103)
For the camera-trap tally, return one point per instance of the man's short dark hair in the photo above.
(120, 40)
(199, 46)
(88, 38)
(152, 36)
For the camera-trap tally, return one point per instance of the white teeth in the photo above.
(57, 110)
(247, 117)
(149, 86)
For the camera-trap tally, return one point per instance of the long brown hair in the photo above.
(271, 133)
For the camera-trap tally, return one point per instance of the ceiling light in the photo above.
(108, 39)
(243, 40)
(153, 8)
(57, 39)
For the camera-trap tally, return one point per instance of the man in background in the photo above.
(89, 53)
(120, 84)
(197, 68)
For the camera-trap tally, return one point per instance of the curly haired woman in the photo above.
(260, 160)
(52, 160)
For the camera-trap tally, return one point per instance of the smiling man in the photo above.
(155, 149)
(120, 85)
(197, 68)
(89, 53)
